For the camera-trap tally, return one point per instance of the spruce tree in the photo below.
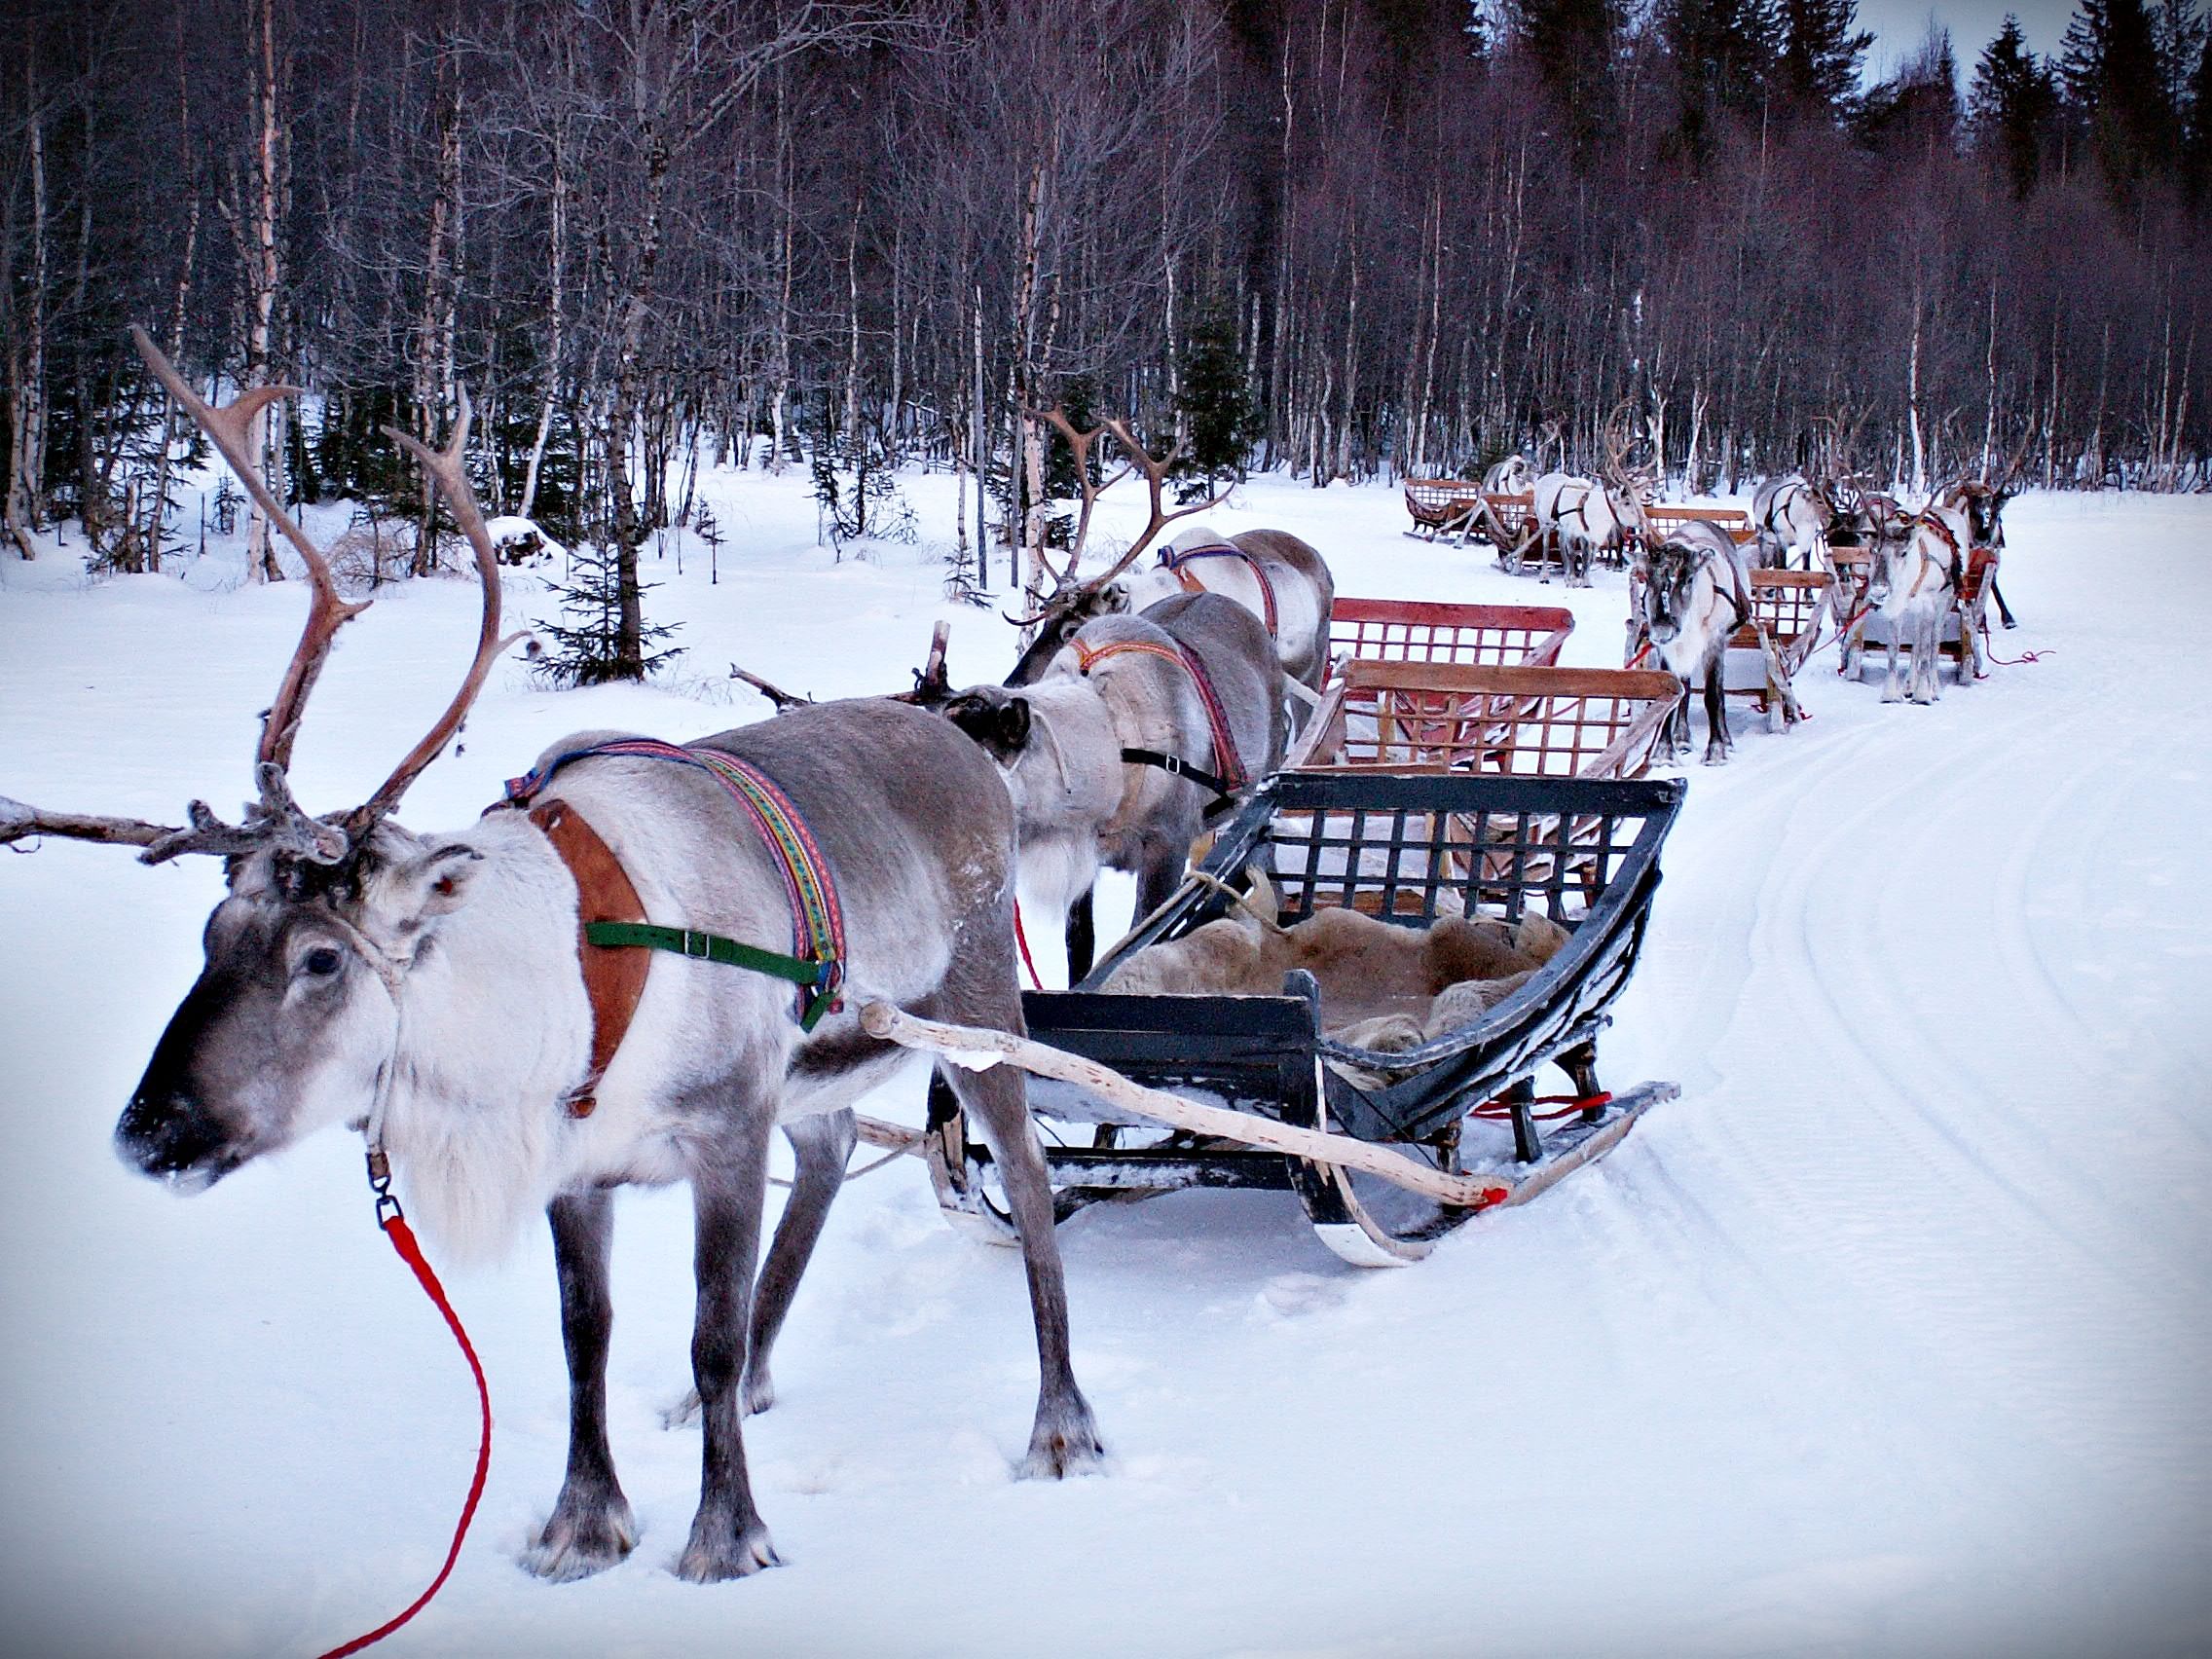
(2196, 140)
(2109, 65)
(1817, 69)
(1220, 419)
(1724, 54)
(588, 639)
(2010, 106)
(1575, 45)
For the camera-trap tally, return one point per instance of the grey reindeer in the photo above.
(1690, 593)
(1115, 757)
(439, 986)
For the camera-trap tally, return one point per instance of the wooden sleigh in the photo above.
(1412, 1142)
(1408, 630)
(1541, 722)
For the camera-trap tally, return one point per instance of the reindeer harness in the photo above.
(1228, 776)
(1175, 564)
(1956, 572)
(613, 930)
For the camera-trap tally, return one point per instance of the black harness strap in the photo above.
(1175, 766)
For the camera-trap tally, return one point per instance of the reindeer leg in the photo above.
(591, 1527)
(2003, 611)
(1892, 691)
(1064, 1439)
(823, 1145)
(729, 1189)
(1716, 714)
(1674, 733)
(1083, 935)
(1927, 655)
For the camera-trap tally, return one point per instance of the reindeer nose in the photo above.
(166, 1132)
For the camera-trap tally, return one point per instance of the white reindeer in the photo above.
(443, 990)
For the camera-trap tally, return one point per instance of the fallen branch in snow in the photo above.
(775, 694)
(969, 1045)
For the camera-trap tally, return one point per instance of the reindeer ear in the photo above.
(1003, 729)
(438, 883)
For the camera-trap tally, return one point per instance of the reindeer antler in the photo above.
(277, 821)
(445, 470)
(1139, 461)
(227, 428)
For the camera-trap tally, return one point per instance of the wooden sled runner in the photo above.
(1457, 1121)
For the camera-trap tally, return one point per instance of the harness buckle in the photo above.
(1172, 765)
(697, 944)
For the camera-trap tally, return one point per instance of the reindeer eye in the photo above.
(322, 961)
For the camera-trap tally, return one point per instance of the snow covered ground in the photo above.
(1890, 1336)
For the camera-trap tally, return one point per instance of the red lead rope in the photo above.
(1022, 939)
(402, 1239)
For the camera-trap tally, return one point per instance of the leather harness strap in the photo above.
(1177, 564)
(614, 979)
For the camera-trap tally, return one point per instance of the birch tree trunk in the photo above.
(266, 434)
(556, 318)
(26, 360)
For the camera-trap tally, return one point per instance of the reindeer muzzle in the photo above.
(167, 1133)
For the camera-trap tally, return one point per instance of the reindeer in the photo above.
(439, 990)
(1916, 583)
(1792, 517)
(1512, 476)
(1983, 504)
(1692, 592)
(1799, 516)
(1273, 574)
(1586, 517)
(1140, 730)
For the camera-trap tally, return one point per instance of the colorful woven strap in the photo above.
(1174, 560)
(818, 920)
(1225, 757)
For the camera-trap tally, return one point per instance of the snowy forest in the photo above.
(1346, 237)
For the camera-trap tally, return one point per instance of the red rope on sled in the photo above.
(402, 1239)
(1568, 1105)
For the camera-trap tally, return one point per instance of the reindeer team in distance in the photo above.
(1923, 574)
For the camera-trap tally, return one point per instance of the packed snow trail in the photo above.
(1888, 1337)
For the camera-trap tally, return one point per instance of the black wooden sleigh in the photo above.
(1406, 849)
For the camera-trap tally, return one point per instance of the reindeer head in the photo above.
(1073, 602)
(295, 1011)
(1983, 504)
(1669, 588)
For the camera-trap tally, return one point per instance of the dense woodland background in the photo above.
(1353, 238)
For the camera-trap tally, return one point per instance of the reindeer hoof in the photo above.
(1063, 1443)
(759, 1392)
(576, 1543)
(721, 1555)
